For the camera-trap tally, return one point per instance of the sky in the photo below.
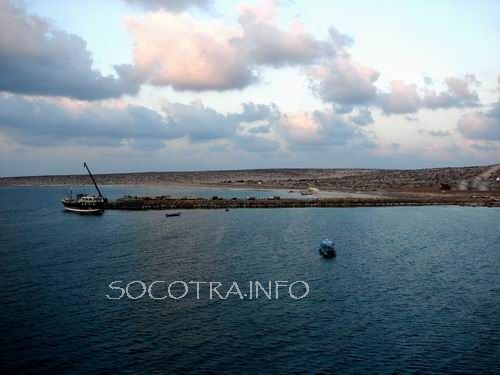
(169, 85)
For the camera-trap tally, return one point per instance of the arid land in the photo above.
(475, 185)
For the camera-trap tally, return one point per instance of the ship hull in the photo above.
(328, 253)
(80, 208)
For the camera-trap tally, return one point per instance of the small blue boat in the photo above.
(327, 249)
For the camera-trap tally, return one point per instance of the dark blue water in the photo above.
(411, 290)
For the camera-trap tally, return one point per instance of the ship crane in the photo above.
(93, 180)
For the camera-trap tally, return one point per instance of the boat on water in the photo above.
(173, 214)
(327, 249)
(84, 203)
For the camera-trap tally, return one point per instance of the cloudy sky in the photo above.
(141, 85)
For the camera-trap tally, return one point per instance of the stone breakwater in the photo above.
(161, 203)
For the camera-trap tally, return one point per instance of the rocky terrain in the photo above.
(359, 180)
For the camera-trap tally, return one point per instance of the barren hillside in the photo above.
(325, 179)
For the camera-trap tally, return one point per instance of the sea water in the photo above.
(413, 289)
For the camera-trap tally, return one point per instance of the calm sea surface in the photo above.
(411, 290)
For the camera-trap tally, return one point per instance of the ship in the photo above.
(84, 203)
(327, 249)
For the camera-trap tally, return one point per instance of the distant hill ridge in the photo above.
(338, 178)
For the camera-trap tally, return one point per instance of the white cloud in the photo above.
(341, 80)
(483, 125)
(172, 5)
(200, 123)
(37, 58)
(187, 53)
(267, 44)
(318, 129)
(406, 98)
(401, 98)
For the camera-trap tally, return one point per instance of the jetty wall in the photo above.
(152, 203)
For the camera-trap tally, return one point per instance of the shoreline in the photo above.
(324, 198)
(476, 185)
(321, 194)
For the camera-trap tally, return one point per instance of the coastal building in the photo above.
(310, 190)
(475, 183)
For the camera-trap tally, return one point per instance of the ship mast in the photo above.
(92, 177)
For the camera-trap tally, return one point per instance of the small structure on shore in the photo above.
(310, 191)
(475, 183)
(274, 197)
